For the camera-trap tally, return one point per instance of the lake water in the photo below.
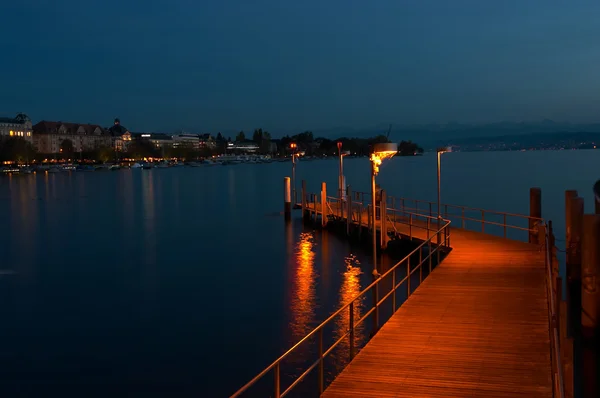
(187, 282)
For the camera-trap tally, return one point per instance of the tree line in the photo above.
(20, 150)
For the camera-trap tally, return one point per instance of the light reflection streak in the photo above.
(303, 298)
(349, 289)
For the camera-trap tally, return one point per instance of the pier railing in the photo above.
(361, 214)
(472, 218)
(553, 290)
(397, 277)
(462, 215)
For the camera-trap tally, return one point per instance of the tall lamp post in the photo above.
(293, 146)
(380, 152)
(341, 181)
(439, 178)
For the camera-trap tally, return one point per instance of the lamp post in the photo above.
(341, 177)
(439, 180)
(293, 146)
(380, 152)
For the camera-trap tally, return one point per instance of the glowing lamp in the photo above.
(381, 152)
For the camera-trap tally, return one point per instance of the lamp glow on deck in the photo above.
(381, 152)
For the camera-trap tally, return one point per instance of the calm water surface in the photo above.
(187, 282)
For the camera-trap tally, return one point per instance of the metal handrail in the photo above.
(360, 197)
(442, 232)
(557, 371)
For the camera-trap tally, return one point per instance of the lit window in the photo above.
(29, 134)
(12, 133)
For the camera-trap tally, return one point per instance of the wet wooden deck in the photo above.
(476, 327)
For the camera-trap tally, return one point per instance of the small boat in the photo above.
(86, 168)
(137, 166)
(194, 164)
(147, 166)
(54, 170)
(114, 167)
(162, 165)
(27, 170)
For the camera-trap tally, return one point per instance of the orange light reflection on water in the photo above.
(349, 289)
(303, 298)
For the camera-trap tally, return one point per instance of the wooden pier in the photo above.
(477, 326)
(487, 321)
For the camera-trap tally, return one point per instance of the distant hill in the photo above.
(433, 135)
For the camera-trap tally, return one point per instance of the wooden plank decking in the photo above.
(476, 327)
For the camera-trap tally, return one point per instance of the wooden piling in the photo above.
(323, 204)
(303, 201)
(383, 217)
(590, 302)
(535, 212)
(287, 199)
(349, 209)
(566, 343)
(574, 232)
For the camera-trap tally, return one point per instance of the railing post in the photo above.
(351, 330)
(304, 199)
(410, 226)
(383, 237)
(394, 291)
(376, 312)
(420, 265)
(321, 363)
(324, 204)
(287, 199)
(349, 209)
(535, 213)
(394, 207)
(430, 254)
(277, 389)
(428, 226)
(482, 220)
(408, 277)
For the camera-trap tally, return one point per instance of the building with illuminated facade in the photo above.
(121, 137)
(19, 126)
(48, 136)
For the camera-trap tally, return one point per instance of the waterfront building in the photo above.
(48, 136)
(121, 137)
(243, 146)
(207, 141)
(159, 140)
(185, 139)
(19, 126)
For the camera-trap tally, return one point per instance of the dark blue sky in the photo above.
(287, 66)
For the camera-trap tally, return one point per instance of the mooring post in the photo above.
(566, 345)
(323, 204)
(535, 213)
(348, 209)
(590, 302)
(287, 199)
(383, 216)
(303, 202)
